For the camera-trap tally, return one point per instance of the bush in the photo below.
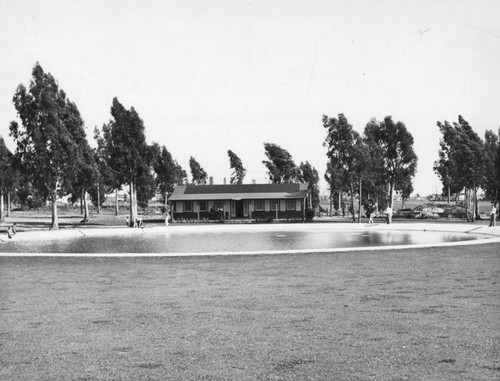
(309, 215)
(34, 202)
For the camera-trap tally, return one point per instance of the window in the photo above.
(219, 205)
(259, 204)
(290, 204)
(188, 206)
(275, 204)
(203, 206)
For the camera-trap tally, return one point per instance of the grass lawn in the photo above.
(388, 315)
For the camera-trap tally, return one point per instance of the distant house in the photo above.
(243, 201)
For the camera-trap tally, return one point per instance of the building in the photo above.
(239, 201)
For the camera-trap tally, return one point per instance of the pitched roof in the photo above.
(238, 192)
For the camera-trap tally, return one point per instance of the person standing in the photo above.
(493, 216)
(388, 214)
(370, 217)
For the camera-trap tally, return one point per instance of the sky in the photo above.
(207, 76)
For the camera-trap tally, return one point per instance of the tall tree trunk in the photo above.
(166, 207)
(98, 197)
(55, 220)
(467, 202)
(391, 194)
(449, 194)
(2, 216)
(359, 202)
(352, 203)
(82, 195)
(341, 203)
(135, 200)
(471, 198)
(331, 203)
(85, 207)
(116, 201)
(476, 206)
(8, 204)
(133, 215)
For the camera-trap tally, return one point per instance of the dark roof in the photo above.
(238, 191)
(242, 188)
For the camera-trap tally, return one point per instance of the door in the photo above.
(239, 208)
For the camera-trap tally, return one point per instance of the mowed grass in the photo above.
(387, 315)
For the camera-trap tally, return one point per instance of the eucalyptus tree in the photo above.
(47, 138)
(97, 191)
(107, 179)
(8, 176)
(497, 168)
(199, 175)
(393, 144)
(375, 180)
(236, 165)
(492, 166)
(146, 189)
(461, 159)
(333, 177)
(85, 168)
(448, 166)
(309, 175)
(169, 173)
(405, 187)
(346, 152)
(280, 165)
(471, 159)
(127, 151)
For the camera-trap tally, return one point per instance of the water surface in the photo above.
(168, 241)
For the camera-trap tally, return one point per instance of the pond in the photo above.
(171, 240)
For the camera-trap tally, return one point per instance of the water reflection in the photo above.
(194, 242)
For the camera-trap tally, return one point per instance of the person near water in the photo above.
(388, 214)
(493, 216)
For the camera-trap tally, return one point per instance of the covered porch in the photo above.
(238, 202)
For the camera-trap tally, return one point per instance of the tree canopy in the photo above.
(462, 157)
(447, 166)
(128, 154)
(169, 173)
(309, 175)
(393, 144)
(8, 174)
(280, 165)
(236, 165)
(492, 165)
(48, 137)
(346, 154)
(198, 173)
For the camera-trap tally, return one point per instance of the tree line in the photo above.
(467, 163)
(381, 161)
(53, 157)
(371, 166)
